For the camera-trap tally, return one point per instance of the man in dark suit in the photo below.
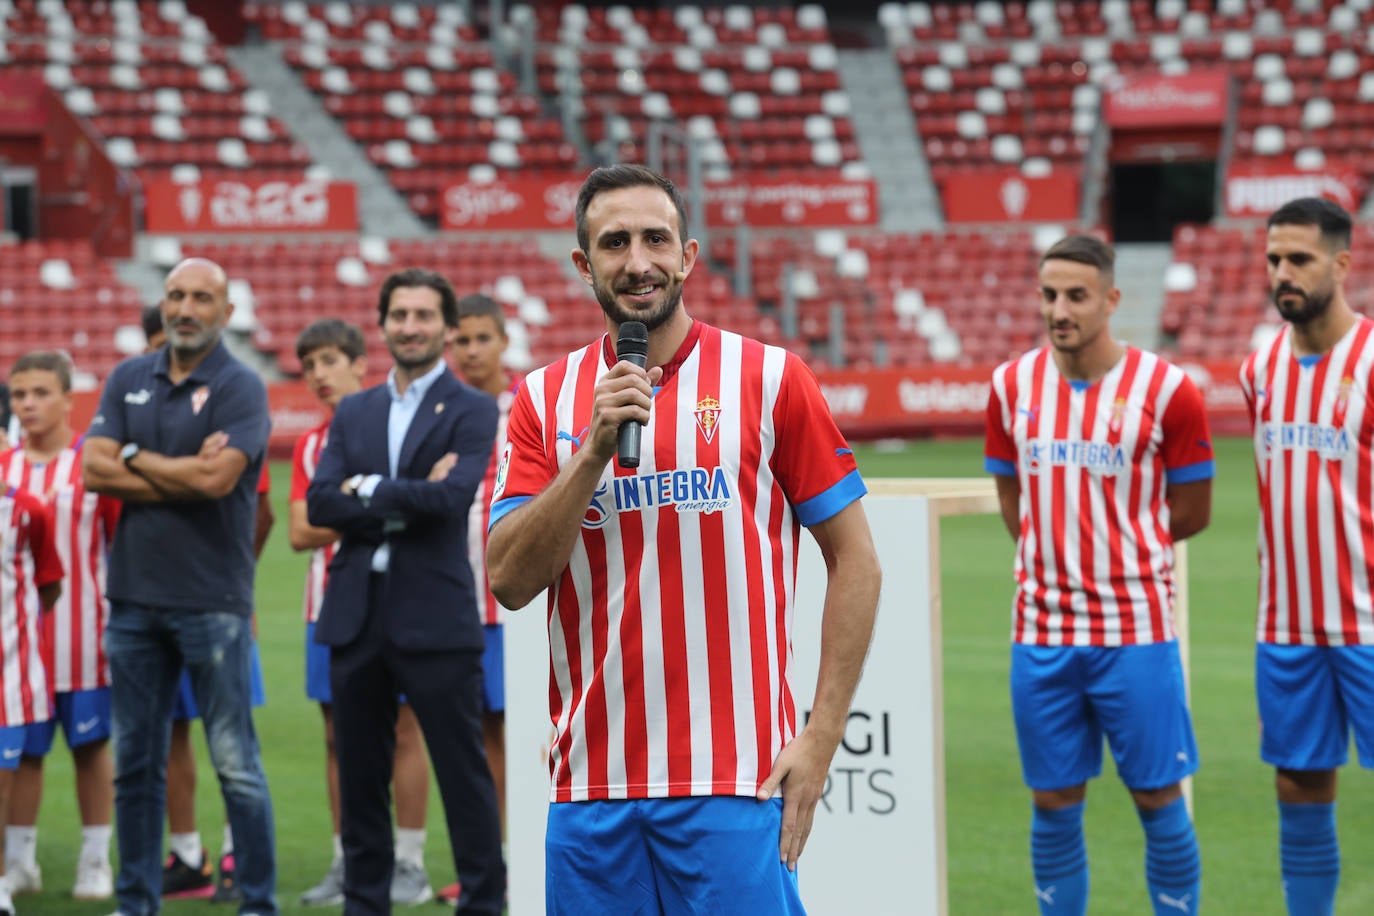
(396, 481)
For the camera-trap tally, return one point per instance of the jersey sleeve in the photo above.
(300, 480)
(811, 459)
(1187, 441)
(999, 449)
(47, 565)
(108, 421)
(108, 508)
(265, 479)
(523, 468)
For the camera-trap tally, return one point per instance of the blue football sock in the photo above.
(1173, 869)
(1059, 860)
(1311, 858)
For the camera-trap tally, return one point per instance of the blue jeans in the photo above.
(148, 648)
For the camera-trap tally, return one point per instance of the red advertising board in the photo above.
(1008, 196)
(1155, 100)
(779, 202)
(1259, 187)
(23, 104)
(509, 204)
(952, 400)
(250, 206)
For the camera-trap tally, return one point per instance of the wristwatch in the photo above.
(127, 453)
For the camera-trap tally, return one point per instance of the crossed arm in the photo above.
(153, 477)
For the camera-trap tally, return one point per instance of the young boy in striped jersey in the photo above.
(30, 583)
(1103, 461)
(47, 465)
(1309, 394)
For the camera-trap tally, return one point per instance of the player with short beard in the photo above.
(1309, 394)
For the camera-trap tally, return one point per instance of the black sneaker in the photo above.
(226, 888)
(181, 880)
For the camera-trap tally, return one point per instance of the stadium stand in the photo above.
(59, 294)
(429, 97)
(415, 87)
(152, 79)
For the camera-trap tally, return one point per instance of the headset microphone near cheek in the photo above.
(680, 276)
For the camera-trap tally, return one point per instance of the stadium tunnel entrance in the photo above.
(1147, 200)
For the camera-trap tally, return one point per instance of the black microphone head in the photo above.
(633, 342)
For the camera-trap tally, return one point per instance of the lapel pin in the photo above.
(439, 408)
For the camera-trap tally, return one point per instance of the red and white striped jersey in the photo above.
(1313, 421)
(1094, 560)
(28, 559)
(670, 629)
(304, 460)
(479, 515)
(83, 526)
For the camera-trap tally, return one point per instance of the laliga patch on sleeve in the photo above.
(501, 470)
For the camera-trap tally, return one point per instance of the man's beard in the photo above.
(1314, 304)
(652, 319)
(203, 340)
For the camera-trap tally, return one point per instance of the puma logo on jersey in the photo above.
(1182, 904)
(575, 440)
(1046, 894)
(140, 397)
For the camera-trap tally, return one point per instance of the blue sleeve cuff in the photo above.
(829, 502)
(999, 466)
(1189, 473)
(503, 507)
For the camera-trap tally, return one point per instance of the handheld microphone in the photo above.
(633, 347)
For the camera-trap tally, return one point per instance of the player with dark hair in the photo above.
(1103, 462)
(1309, 394)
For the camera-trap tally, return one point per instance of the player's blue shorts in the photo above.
(667, 855)
(494, 668)
(12, 738)
(1310, 698)
(1065, 699)
(316, 668)
(185, 705)
(84, 715)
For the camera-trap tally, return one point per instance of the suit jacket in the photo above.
(428, 592)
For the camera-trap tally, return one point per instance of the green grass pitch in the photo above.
(987, 807)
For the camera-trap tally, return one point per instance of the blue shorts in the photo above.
(316, 668)
(1310, 698)
(1066, 699)
(185, 706)
(12, 738)
(494, 668)
(667, 855)
(85, 717)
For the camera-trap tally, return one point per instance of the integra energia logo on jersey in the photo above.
(684, 489)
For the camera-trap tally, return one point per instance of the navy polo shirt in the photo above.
(194, 555)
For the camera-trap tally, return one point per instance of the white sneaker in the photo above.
(6, 904)
(94, 881)
(24, 879)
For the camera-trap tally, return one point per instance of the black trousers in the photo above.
(444, 688)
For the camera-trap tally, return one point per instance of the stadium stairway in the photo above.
(1140, 270)
(381, 209)
(887, 137)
